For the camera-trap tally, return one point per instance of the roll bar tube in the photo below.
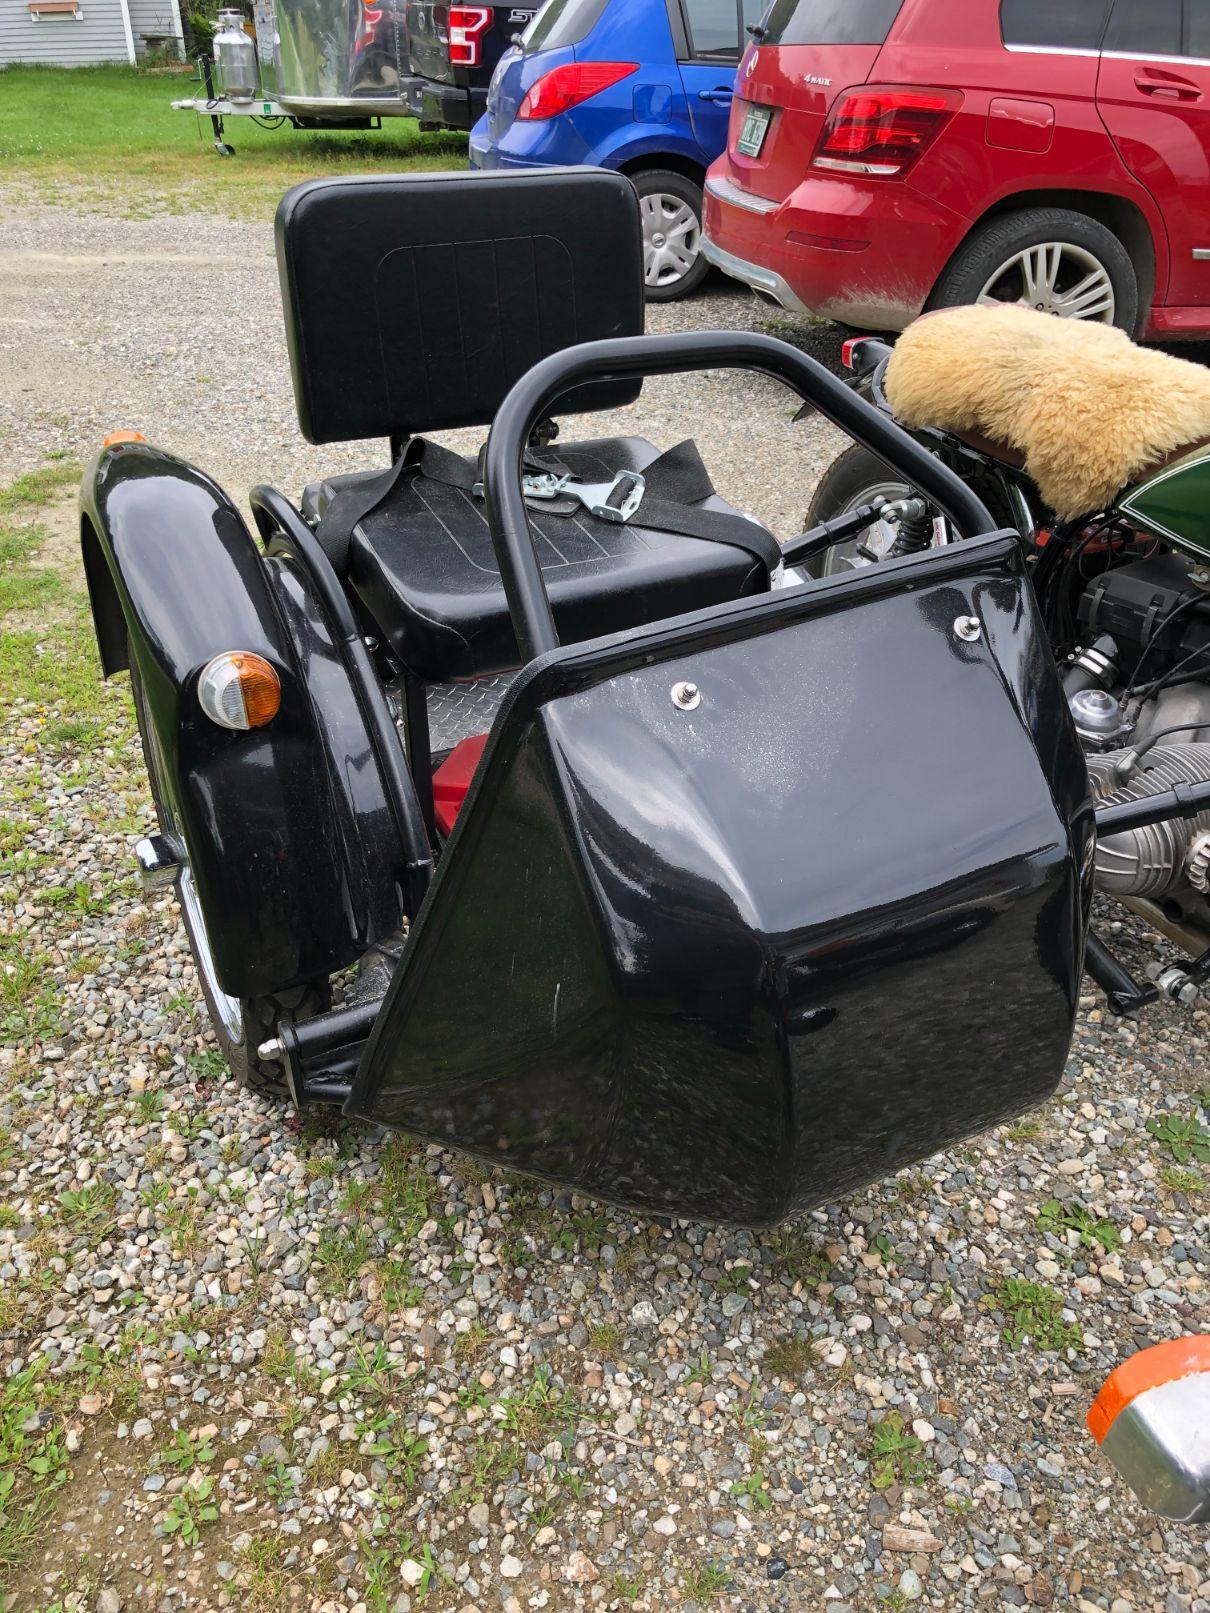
(627, 358)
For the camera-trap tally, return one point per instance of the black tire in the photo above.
(994, 244)
(259, 1016)
(851, 480)
(651, 183)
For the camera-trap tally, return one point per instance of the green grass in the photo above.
(896, 1456)
(112, 131)
(1059, 1219)
(1035, 1311)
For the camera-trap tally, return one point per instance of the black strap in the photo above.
(675, 485)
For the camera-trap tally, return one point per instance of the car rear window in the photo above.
(1073, 25)
(829, 22)
(561, 23)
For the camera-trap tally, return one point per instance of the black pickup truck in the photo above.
(453, 53)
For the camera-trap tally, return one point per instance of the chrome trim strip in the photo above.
(1051, 50)
(735, 197)
(751, 274)
(1171, 61)
(1201, 254)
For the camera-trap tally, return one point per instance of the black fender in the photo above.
(287, 828)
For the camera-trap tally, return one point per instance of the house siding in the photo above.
(98, 36)
(152, 17)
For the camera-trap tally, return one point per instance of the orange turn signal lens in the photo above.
(116, 437)
(239, 690)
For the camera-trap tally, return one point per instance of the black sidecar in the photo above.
(546, 743)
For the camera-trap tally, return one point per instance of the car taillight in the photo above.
(565, 87)
(467, 26)
(881, 132)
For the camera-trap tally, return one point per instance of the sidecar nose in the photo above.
(1152, 1420)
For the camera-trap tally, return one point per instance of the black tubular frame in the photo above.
(278, 521)
(536, 392)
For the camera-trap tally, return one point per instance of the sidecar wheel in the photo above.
(240, 1024)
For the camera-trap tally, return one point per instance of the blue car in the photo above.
(642, 86)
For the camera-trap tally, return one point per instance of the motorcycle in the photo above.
(1097, 454)
(492, 788)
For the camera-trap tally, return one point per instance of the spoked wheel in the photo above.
(240, 1024)
(1050, 259)
(857, 477)
(671, 210)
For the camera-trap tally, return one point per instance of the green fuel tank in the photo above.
(1174, 503)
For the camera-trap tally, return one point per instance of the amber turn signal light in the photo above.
(116, 437)
(239, 690)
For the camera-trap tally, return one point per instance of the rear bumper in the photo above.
(866, 255)
(766, 281)
(447, 106)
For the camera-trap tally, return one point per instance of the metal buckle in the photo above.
(540, 484)
(610, 501)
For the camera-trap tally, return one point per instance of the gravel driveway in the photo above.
(279, 1365)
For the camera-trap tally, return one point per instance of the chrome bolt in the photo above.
(967, 628)
(686, 696)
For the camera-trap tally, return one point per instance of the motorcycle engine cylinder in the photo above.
(1151, 860)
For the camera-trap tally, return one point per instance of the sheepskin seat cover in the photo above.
(1088, 410)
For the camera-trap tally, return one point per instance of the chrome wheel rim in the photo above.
(672, 235)
(1055, 278)
(878, 537)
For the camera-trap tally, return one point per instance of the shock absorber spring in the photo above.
(915, 522)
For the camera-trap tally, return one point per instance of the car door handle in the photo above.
(1168, 89)
(721, 95)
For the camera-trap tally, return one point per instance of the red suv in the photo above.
(887, 156)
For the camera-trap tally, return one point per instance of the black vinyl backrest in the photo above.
(414, 301)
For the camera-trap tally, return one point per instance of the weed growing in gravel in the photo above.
(541, 1410)
(187, 1451)
(753, 1489)
(1035, 1311)
(791, 1357)
(1186, 1139)
(1177, 1180)
(895, 1454)
(706, 1579)
(1059, 1219)
(734, 1281)
(190, 1509)
(149, 1106)
(628, 1586)
(605, 1339)
(33, 1457)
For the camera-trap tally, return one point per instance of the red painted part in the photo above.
(1047, 127)
(452, 780)
(1161, 1363)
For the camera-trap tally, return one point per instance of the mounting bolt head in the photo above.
(686, 696)
(968, 629)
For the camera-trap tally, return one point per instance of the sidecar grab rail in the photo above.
(539, 389)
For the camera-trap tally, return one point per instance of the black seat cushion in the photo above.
(424, 567)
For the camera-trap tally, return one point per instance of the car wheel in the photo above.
(671, 209)
(1048, 258)
(240, 1024)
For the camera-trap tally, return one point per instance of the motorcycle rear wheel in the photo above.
(857, 477)
(240, 1024)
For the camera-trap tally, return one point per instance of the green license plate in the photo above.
(752, 134)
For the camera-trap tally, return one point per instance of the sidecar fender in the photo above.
(286, 843)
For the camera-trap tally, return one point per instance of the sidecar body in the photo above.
(700, 888)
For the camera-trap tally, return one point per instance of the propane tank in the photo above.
(235, 57)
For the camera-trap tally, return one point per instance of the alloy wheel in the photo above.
(672, 237)
(1055, 277)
